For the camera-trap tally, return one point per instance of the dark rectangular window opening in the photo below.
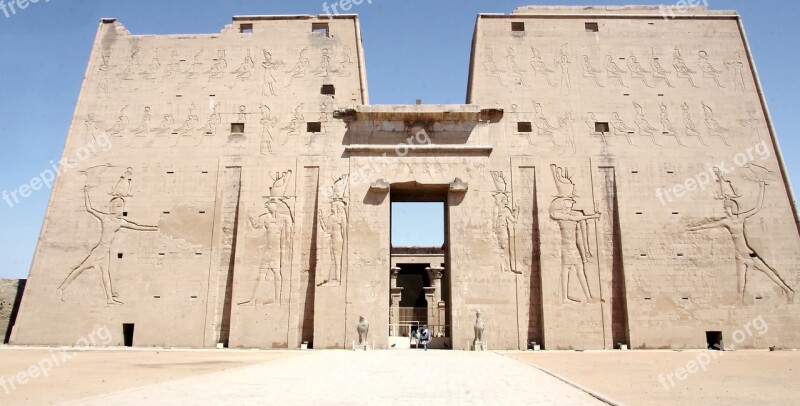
(602, 127)
(518, 27)
(321, 28)
(315, 127)
(127, 334)
(524, 127)
(592, 27)
(714, 340)
(237, 128)
(328, 90)
(124, 214)
(246, 28)
(119, 255)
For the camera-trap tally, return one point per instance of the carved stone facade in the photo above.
(613, 178)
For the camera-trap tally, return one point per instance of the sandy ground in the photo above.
(93, 372)
(632, 378)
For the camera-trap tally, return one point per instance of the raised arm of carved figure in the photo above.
(88, 204)
(708, 224)
(760, 204)
(130, 225)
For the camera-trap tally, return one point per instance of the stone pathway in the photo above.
(364, 378)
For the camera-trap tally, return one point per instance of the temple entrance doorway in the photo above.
(419, 290)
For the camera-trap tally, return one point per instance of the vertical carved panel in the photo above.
(308, 249)
(531, 324)
(222, 281)
(611, 256)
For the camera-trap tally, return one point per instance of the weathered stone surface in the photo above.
(611, 180)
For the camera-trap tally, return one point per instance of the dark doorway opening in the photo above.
(127, 334)
(714, 340)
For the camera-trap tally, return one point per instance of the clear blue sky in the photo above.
(44, 50)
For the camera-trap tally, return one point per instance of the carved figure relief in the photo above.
(747, 259)
(682, 70)
(575, 251)
(267, 123)
(100, 256)
(173, 67)
(189, 124)
(345, 64)
(269, 79)
(121, 124)
(589, 71)
(540, 68)
(295, 127)
(105, 71)
(299, 69)
(667, 125)
(565, 83)
(131, 67)
(567, 122)
(736, 66)
(245, 69)
(620, 128)
(163, 128)
(715, 129)
(613, 71)
(504, 224)
(709, 71)
(637, 71)
(517, 73)
(334, 224)
(143, 130)
(324, 68)
(278, 227)
(217, 70)
(543, 127)
(644, 126)
(124, 186)
(691, 126)
(151, 72)
(754, 123)
(196, 67)
(92, 128)
(659, 72)
(241, 117)
(491, 68)
(214, 120)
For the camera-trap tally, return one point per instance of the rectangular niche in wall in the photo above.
(127, 334)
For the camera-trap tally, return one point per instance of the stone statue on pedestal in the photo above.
(479, 327)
